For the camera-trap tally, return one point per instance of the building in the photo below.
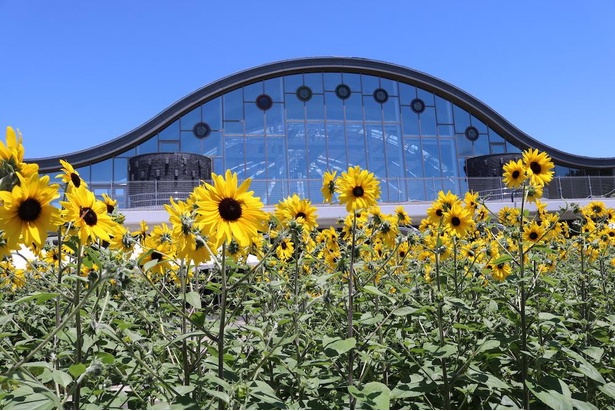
(283, 124)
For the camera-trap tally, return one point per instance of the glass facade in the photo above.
(285, 131)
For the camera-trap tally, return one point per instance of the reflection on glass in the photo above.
(189, 143)
(410, 121)
(234, 155)
(233, 105)
(315, 107)
(316, 150)
(428, 122)
(481, 146)
(376, 162)
(336, 147)
(431, 157)
(120, 169)
(335, 106)
(295, 109)
(102, 171)
(373, 109)
(356, 145)
(255, 158)
(212, 113)
(148, 146)
(444, 111)
(273, 88)
(254, 120)
(354, 107)
(390, 109)
(462, 119)
(274, 119)
(464, 146)
(212, 145)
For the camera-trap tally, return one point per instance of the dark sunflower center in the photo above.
(501, 265)
(597, 209)
(533, 235)
(301, 214)
(284, 246)
(229, 209)
(29, 210)
(611, 234)
(515, 174)
(75, 179)
(439, 212)
(455, 221)
(156, 255)
(110, 208)
(358, 191)
(535, 167)
(402, 254)
(89, 216)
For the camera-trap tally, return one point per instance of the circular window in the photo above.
(342, 91)
(472, 133)
(264, 102)
(304, 93)
(417, 105)
(201, 130)
(381, 95)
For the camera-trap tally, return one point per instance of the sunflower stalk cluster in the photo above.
(477, 306)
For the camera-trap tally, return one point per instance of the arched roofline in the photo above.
(319, 64)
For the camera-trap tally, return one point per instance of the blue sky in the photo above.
(75, 74)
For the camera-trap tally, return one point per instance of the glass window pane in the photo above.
(446, 130)
(297, 167)
(251, 91)
(431, 156)
(255, 120)
(410, 121)
(448, 158)
(189, 143)
(212, 113)
(255, 158)
(426, 96)
(376, 162)
(273, 87)
(495, 137)
(189, 120)
(314, 81)
(276, 158)
(295, 109)
(497, 148)
(481, 146)
(336, 147)
(234, 154)
(233, 127)
(352, 80)
(149, 146)
(317, 150)
(413, 157)
(171, 132)
(233, 105)
(462, 119)
(102, 172)
(510, 148)
(390, 86)
(168, 147)
(373, 109)
(390, 109)
(212, 145)
(315, 107)
(84, 173)
(332, 80)
(354, 107)
(482, 128)
(274, 119)
(356, 146)
(120, 169)
(292, 82)
(407, 93)
(428, 122)
(444, 111)
(335, 107)
(464, 146)
(370, 83)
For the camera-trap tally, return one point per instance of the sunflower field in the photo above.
(227, 306)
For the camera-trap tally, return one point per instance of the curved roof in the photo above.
(320, 64)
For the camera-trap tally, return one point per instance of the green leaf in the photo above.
(40, 297)
(62, 378)
(403, 311)
(339, 347)
(265, 393)
(584, 367)
(552, 398)
(183, 389)
(373, 396)
(370, 289)
(502, 259)
(77, 369)
(608, 389)
(194, 299)
(488, 345)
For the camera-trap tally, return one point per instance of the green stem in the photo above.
(222, 324)
(351, 398)
(79, 341)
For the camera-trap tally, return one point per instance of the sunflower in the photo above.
(538, 166)
(26, 214)
(448, 200)
(514, 173)
(534, 193)
(500, 271)
(121, 239)
(594, 210)
(533, 232)
(285, 249)
(403, 219)
(228, 211)
(70, 175)
(358, 189)
(328, 186)
(10, 276)
(11, 160)
(162, 254)
(141, 234)
(300, 210)
(435, 213)
(471, 201)
(109, 202)
(87, 214)
(458, 221)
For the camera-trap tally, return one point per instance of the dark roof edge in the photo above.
(479, 109)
